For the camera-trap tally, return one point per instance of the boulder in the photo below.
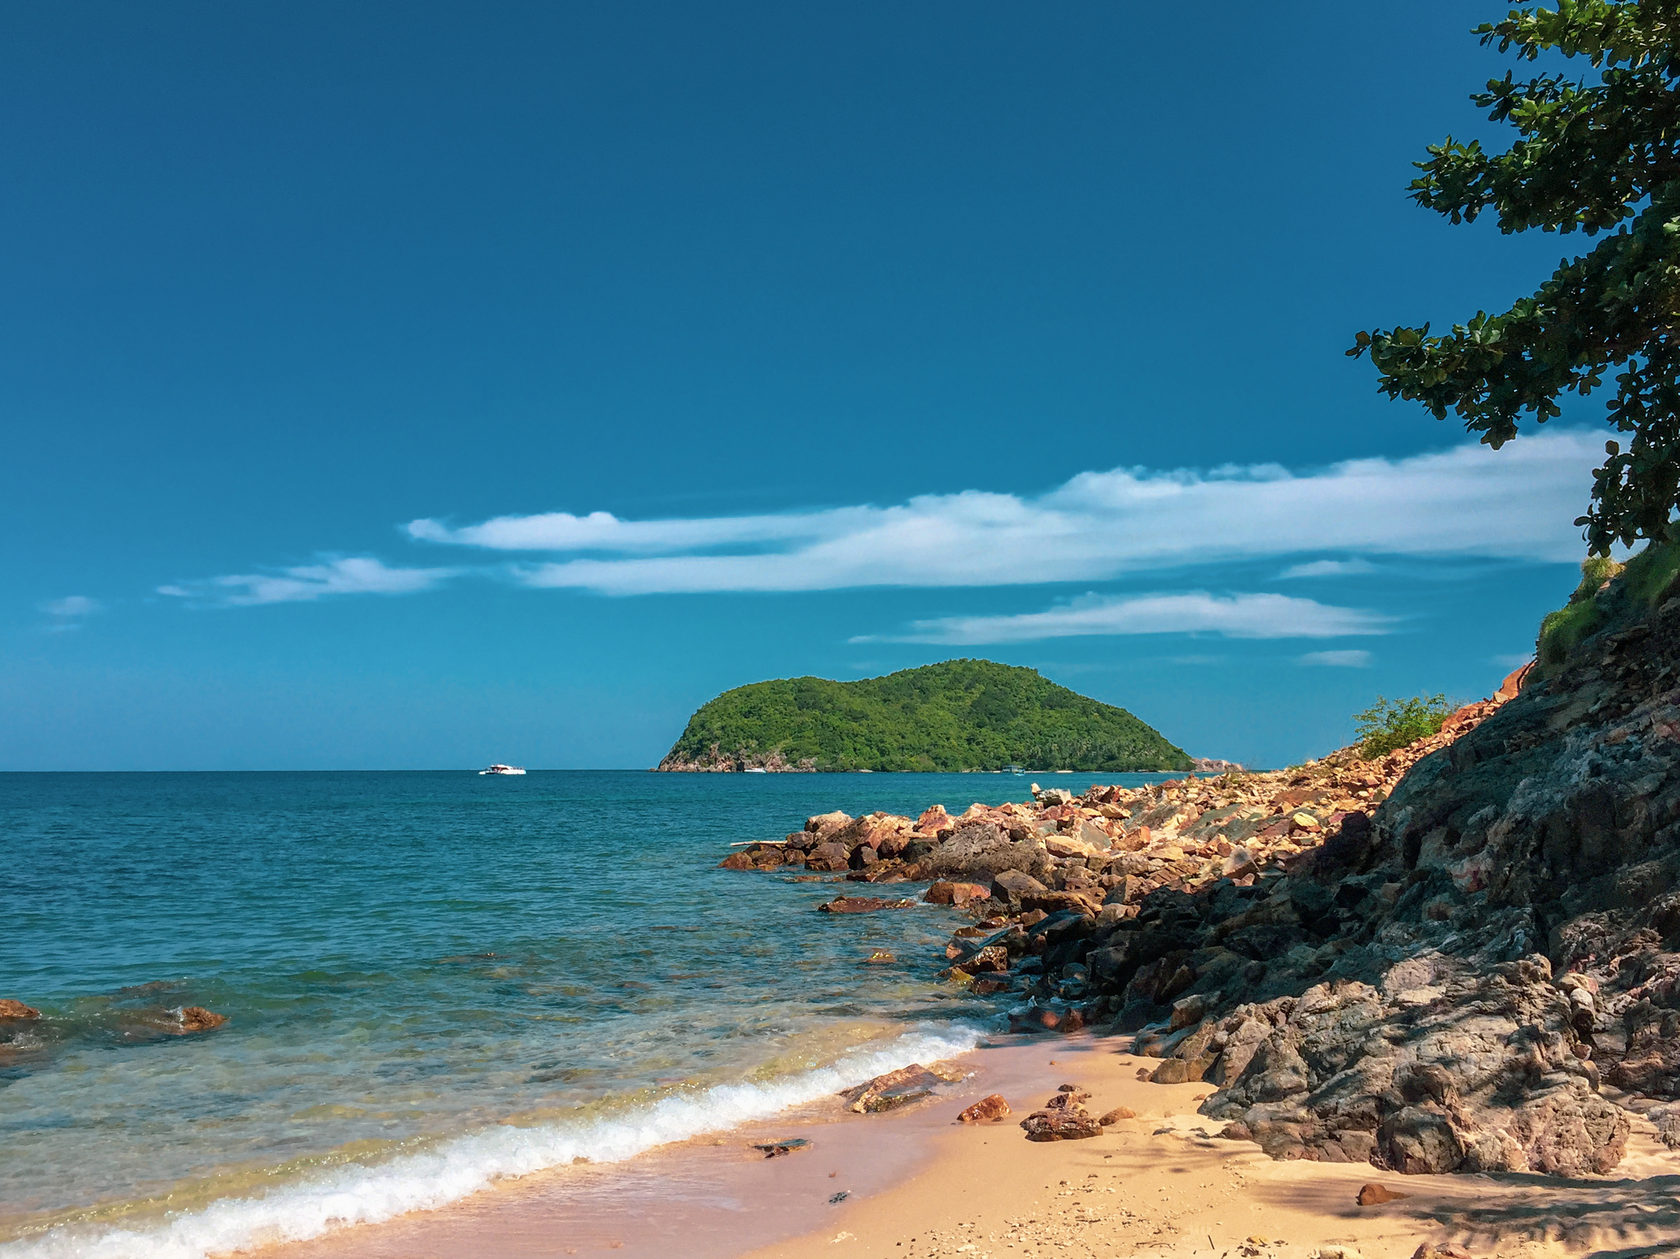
(825, 825)
(1060, 1123)
(1067, 846)
(828, 856)
(992, 959)
(1011, 885)
(886, 834)
(986, 1110)
(897, 1088)
(1374, 1195)
(861, 905)
(12, 1009)
(982, 850)
(195, 1018)
(946, 892)
(935, 822)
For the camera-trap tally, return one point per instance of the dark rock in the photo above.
(828, 856)
(861, 905)
(775, 1149)
(983, 850)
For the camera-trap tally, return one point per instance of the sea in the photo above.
(433, 981)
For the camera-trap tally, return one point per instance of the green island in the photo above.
(958, 715)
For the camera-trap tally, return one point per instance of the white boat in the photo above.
(500, 769)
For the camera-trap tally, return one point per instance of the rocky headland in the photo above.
(1461, 956)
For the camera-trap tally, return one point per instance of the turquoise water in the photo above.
(433, 979)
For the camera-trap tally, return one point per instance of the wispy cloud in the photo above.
(1196, 612)
(340, 575)
(1467, 501)
(72, 606)
(1327, 568)
(69, 612)
(1337, 659)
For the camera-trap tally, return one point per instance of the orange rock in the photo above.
(959, 894)
(986, 1110)
(195, 1018)
(1117, 1114)
(935, 821)
(1374, 1195)
(10, 1009)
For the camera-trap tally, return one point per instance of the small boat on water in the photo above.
(500, 769)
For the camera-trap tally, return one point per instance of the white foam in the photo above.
(457, 1168)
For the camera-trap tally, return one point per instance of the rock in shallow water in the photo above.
(195, 1018)
(898, 1088)
(861, 905)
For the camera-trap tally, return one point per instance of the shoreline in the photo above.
(713, 1196)
(919, 1185)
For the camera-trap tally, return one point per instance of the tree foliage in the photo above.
(1393, 723)
(957, 715)
(1600, 157)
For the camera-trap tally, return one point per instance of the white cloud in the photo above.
(1338, 659)
(1328, 568)
(1231, 616)
(72, 607)
(341, 575)
(1467, 501)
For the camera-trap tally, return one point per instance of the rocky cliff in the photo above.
(1462, 957)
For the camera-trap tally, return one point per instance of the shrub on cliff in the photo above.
(1390, 724)
(1640, 584)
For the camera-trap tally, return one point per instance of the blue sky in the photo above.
(419, 385)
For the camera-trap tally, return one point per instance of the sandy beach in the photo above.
(918, 1185)
(1161, 1184)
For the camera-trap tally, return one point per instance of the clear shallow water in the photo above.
(434, 979)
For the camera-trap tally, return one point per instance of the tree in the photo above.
(1602, 159)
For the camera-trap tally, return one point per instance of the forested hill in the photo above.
(957, 715)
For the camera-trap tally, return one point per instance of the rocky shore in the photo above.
(1461, 956)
